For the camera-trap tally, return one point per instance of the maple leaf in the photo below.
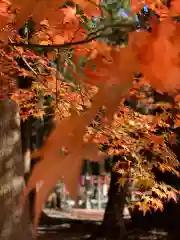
(157, 139)
(122, 181)
(90, 7)
(157, 204)
(69, 15)
(167, 168)
(174, 7)
(172, 195)
(49, 10)
(176, 122)
(62, 27)
(108, 65)
(26, 9)
(4, 14)
(144, 207)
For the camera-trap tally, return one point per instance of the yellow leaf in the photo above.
(122, 181)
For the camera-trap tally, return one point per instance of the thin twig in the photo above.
(27, 64)
(57, 74)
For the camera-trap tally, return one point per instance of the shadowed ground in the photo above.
(79, 225)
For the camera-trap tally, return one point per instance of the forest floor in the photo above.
(69, 225)
(80, 225)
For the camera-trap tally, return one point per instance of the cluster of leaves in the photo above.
(39, 79)
(10, 71)
(44, 84)
(142, 137)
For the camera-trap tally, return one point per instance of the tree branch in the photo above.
(92, 36)
(52, 47)
(27, 64)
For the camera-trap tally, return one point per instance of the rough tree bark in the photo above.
(113, 222)
(15, 223)
(26, 146)
(32, 138)
(26, 133)
(113, 226)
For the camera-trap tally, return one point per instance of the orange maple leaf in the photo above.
(174, 7)
(157, 139)
(90, 7)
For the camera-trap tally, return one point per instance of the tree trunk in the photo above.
(26, 133)
(26, 146)
(113, 221)
(15, 223)
(113, 226)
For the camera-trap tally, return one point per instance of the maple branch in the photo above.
(127, 26)
(92, 36)
(57, 75)
(24, 60)
(51, 47)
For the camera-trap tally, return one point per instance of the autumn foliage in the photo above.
(102, 79)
